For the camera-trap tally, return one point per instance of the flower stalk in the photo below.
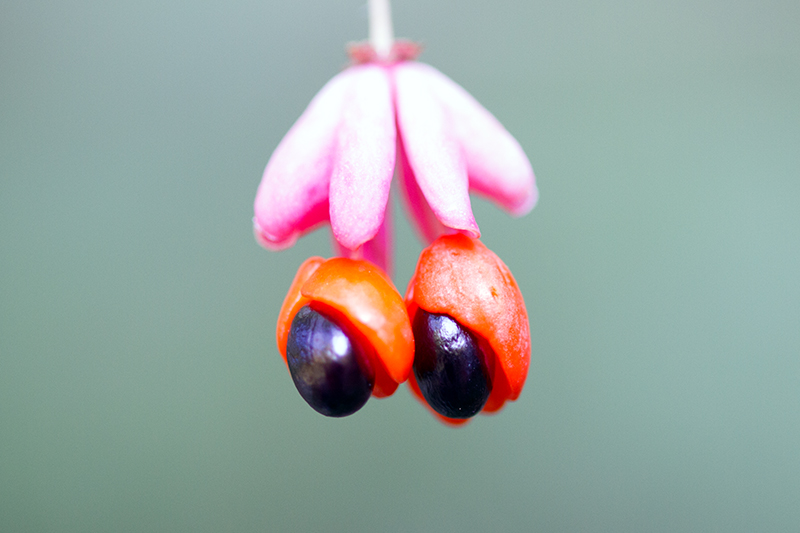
(381, 33)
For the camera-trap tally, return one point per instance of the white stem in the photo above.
(381, 34)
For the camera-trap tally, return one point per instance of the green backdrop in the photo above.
(140, 386)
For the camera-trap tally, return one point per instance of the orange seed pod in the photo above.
(460, 277)
(359, 296)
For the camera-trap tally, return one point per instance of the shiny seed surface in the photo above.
(331, 372)
(449, 365)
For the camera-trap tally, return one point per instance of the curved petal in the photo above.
(363, 162)
(377, 250)
(433, 152)
(293, 195)
(496, 164)
(422, 216)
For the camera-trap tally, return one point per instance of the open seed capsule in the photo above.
(346, 333)
(459, 278)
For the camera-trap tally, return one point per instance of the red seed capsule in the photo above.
(358, 297)
(459, 277)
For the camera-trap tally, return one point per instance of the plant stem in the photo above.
(381, 34)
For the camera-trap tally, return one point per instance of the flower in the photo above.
(337, 161)
(344, 331)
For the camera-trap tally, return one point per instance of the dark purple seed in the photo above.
(331, 372)
(449, 365)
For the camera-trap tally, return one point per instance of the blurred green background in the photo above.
(140, 386)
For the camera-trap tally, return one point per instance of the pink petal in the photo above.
(422, 215)
(293, 195)
(496, 163)
(364, 159)
(377, 250)
(434, 155)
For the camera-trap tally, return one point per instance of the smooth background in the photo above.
(140, 387)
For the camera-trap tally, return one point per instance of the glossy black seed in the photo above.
(331, 372)
(449, 365)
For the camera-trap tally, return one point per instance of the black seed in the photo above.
(331, 372)
(450, 367)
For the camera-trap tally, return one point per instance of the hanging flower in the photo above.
(344, 331)
(336, 163)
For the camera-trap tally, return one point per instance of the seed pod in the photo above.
(359, 298)
(459, 277)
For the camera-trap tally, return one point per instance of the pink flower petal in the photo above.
(377, 250)
(496, 163)
(422, 216)
(364, 159)
(293, 195)
(433, 151)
